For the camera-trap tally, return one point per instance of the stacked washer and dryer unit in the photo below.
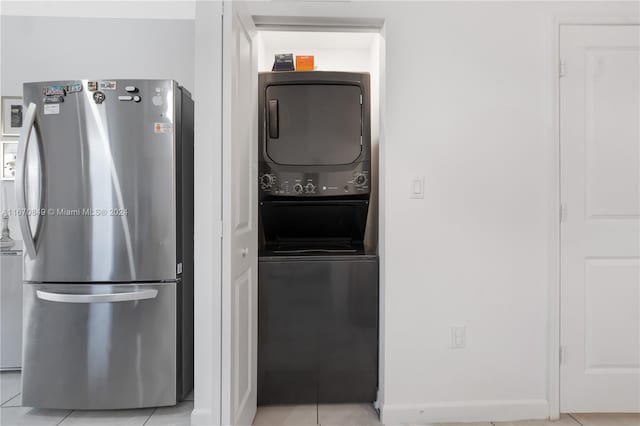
(318, 284)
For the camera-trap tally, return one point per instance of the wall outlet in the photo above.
(458, 337)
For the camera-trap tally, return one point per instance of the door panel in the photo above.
(108, 185)
(316, 124)
(600, 192)
(612, 133)
(240, 203)
(99, 346)
(611, 303)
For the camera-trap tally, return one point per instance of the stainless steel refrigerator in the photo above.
(104, 188)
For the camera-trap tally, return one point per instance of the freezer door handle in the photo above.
(28, 237)
(96, 298)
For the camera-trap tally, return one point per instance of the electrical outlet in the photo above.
(458, 337)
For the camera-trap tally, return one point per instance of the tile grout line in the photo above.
(576, 420)
(149, 418)
(64, 418)
(4, 402)
(9, 400)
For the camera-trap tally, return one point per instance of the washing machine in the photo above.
(317, 284)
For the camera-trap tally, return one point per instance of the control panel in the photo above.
(326, 183)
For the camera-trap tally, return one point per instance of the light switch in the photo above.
(458, 337)
(417, 187)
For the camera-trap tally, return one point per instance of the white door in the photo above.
(240, 222)
(600, 230)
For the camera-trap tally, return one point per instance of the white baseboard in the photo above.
(464, 411)
(203, 417)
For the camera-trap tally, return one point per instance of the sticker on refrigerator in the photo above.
(162, 128)
(51, 109)
(54, 90)
(92, 86)
(53, 99)
(74, 87)
(107, 85)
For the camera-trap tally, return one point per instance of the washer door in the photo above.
(99, 346)
(304, 226)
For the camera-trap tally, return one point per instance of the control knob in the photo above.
(310, 188)
(360, 179)
(266, 181)
(298, 188)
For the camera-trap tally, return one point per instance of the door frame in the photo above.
(555, 262)
(310, 23)
(208, 242)
(208, 214)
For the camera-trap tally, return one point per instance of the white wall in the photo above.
(143, 9)
(37, 48)
(469, 107)
(47, 48)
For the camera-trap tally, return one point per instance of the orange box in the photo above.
(304, 63)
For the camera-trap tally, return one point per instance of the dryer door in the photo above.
(313, 124)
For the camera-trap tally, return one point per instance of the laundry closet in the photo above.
(318, 264)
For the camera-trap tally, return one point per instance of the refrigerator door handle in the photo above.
(96, 298)
(28, 237)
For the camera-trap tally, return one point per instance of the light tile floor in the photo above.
(366, 415)
(12, 413)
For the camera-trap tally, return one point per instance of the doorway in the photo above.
(243, 47)
(600, 218)
(339, 50)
